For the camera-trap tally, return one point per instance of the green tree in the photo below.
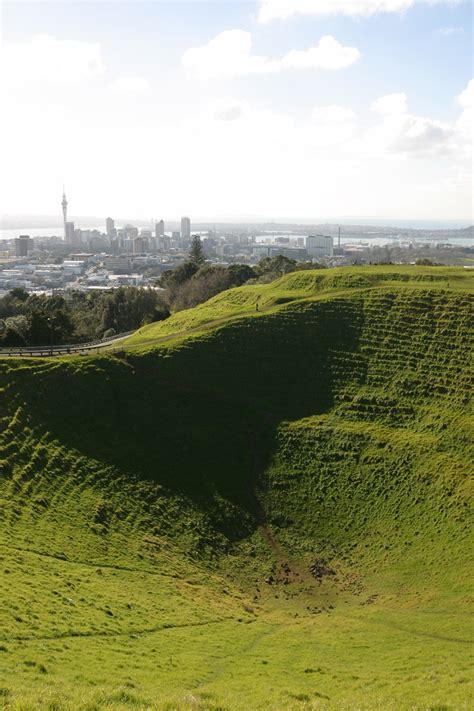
(196, 253)
(14, 331)
(19, 294)
(41, 320)
(240, 273)
(276, 266)
(208, 281)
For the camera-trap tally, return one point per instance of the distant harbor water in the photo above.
(379, 241)
(39, 232)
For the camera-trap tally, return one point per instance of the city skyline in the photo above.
(242, 109)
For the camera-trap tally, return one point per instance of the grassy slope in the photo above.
(134, 550)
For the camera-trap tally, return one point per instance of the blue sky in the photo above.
(144, 117)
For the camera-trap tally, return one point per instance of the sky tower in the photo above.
(64, 206)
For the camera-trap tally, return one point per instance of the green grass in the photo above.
(146, 496)
(306, 285)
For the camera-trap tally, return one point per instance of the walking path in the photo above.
(52, 350)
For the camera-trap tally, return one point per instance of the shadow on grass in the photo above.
(199, 419)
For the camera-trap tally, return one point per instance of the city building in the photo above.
(140, 245)
(319, 246)
(160, 229)
(23, 245)
(185, 228)
(110, 228)
(164, 243)
(69, 232)
(338, 251)
(131, 232)
(118, 265)
(276, 250)
(77, 237)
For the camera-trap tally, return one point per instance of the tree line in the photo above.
(38, 320)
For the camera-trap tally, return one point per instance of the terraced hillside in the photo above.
(261, 503)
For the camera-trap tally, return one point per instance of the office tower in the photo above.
(185, 228)
(70, 232)
(23, 245)
(64, 207)
(160, 229)
(140, 245)
(131, 231)
(110, 228)
(319, 246)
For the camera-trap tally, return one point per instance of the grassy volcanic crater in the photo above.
(247, 509)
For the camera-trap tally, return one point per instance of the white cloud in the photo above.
(46, 59)
(465, 123)
(130, 85)
(229, 55)
(391, 104)
(282, 9)
(332, 114)
(401, 132)
(449, 31)
(423, 136)
(466, 97)
(228, 110)
(331, 126)
(328, 54)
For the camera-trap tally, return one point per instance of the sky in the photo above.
(278, 109)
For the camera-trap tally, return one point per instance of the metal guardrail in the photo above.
(66, 349)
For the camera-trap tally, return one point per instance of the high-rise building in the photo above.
(185, 228)
(140, 245)
(319, 246)
(70, 232)
(64, 207)
(77, 237)
(23, 245)
(160, 229)
(110, 228)
(164, 243)
(132, 232)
